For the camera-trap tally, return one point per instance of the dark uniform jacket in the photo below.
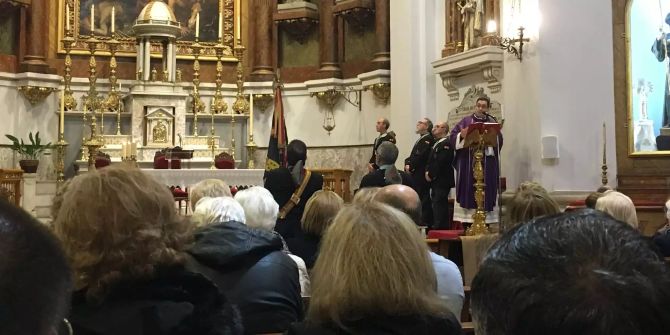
(418, 159)
(440, 168)
(384, 137)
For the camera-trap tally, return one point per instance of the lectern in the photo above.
(479, 136)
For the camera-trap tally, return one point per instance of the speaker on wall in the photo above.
(550, 147)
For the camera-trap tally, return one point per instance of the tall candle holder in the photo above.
(219, 106)
(241, 105)
(91, 100)
(61, 148)
(198, 106)
(251, 150)
(112, 101)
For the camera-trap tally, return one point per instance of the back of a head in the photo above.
(296, 151)
(529, 203)
(217, 210)
(592, 199)
(619, 206)
(387, 153)
(212, 188)
(260, 208)
(365, 194)
(35, 281)
(576, 273)
(320, 211)
(403, 198)
(130, 218)
(372, 262)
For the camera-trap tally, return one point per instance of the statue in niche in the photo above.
(472, 12)
(159, 133)
(178, 75)
(154, 74)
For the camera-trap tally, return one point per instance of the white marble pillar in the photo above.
(140, 52)
(164, 55)
(147, 59)
(169, 61)
(173, 57)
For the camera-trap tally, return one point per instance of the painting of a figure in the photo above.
(126, 12)
(649, 29)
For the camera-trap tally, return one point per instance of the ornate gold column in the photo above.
(330, 66)
(263, 69)
(35, 59)
(382, 58)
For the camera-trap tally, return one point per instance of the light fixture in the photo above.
(505, 43)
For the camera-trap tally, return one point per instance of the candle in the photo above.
(237, 28)
(604, 145)
(220, 25)
(251, 114)
(92, 19)
(113, 18)
(67, 18)
(123, 150)
(133, 149)
(61, 124)
(197, 25)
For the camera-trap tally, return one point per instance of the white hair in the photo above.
(260, 208)
(215, 210)
(619, 206)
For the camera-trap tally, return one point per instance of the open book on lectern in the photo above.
(490, 131)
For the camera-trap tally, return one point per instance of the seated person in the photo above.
(261, 210)
(528, 203)
(319, 214)
(373, 276)
(208, 188)
(581, 272)
(35, 280)
(284, 181)
(619, 206)
(387, 174)
(124, 240)
(248, 265)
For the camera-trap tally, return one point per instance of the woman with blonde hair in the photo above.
(124, 241)
(529, 202)
(374, 276)
(319, 213)
(619, 206)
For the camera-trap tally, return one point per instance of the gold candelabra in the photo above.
(70, 102)
(61, 147)
(241, 105)
(479, 225)
(219, 106)
(198, 106)
(92, 103)
(251, 149)
(112, 102)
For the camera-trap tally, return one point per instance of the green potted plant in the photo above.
(30, 153)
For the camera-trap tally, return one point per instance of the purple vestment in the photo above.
(465, 160)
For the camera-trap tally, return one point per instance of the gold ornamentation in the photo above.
(381, 92)
(159, 133)
(61, 149)
(479, 225)
(35, 94)
(113, 101)
(251, 149)
(70, 102)
(328, 98)
(197, 104)
(263, 101)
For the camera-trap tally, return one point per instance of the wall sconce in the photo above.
(35, 94)
(505, 43)
(263, 101)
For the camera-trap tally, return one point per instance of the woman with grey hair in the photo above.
(247, 265)
(261, 210)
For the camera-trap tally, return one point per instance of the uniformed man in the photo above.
(384, 135)
(415, 165)
(440, 175)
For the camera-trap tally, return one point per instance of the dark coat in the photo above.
(418, 159)
(379, 140)
(174, 301)
(376, 179)
(440, 165)
(249, 267)
(385, 325)
(281, 185)
(305, 246)
(662, 241)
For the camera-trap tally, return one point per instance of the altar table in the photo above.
(189, 177)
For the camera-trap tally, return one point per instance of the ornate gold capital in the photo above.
(329, 97)
(381, 92)
(35, 94)
(263, 101)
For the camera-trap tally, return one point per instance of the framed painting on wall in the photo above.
(127, 11)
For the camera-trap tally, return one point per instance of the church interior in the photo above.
(192, 90)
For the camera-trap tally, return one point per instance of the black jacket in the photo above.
(249, 267)
(281, 185)
(440, 168)
(376, 179)
(385, 325)
(379, 140)
(305, 246)
(418, 159)
(174, 301)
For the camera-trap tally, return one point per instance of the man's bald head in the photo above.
(403, 198)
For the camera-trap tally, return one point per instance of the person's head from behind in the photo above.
(212, 188)
(296, 151)
(365, 194)
(619, 206)
(320, 211)
(592, 199)
(530, 203)
(576, 273)
(260, 208)
(387, 153)
(403, 198)
(211, 211)
(118, 223)
(35, 280)
(372, 261)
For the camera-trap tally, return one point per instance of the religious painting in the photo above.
(126, 13)
(648, 31)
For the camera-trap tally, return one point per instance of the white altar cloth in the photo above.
(189, 177)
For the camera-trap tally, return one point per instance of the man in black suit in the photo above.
(382, 127)
(415, 165)
(440, 175)
(283, 183)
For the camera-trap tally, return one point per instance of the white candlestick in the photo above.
(251, 114)
(197, 25)
(220, 25)
(113, 18)
(133, 149)
(123, 150)
(67, 18)
(92, 19)
(502, 112)
(604, 145)
(61, 123)
(237, 29)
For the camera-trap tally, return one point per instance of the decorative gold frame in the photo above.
(629, 99)
(231, 10)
